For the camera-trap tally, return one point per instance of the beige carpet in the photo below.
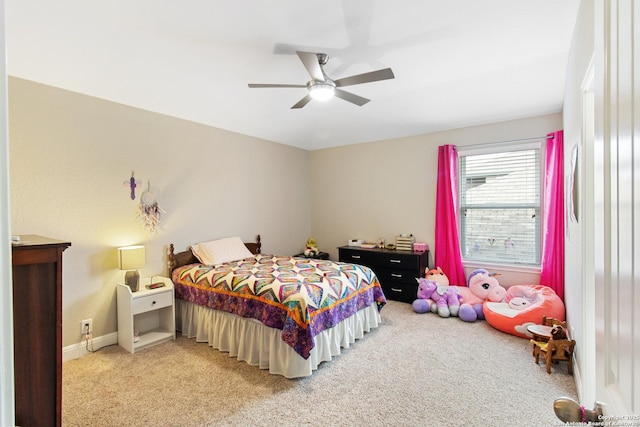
(414, 370)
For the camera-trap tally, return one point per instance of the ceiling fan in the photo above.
(321, 87)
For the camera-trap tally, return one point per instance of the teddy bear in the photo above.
(443, 300)
(481, 286)
(311, 249)
(558, 332)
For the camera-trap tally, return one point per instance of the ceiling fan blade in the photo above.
(258, 85)
(310, 62)
(348, 96)
(304, 101)
(372, 76)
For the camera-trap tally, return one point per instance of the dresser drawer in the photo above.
(408, 261)
(151, 302)
(356, 256)
(400, 291)
(396, 275)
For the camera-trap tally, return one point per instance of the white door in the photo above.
(617, 206)
(7, 410)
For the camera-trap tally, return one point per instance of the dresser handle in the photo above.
(396, 290)
(397, 261)
(396, 275)
(355, 256)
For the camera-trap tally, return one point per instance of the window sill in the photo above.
(493, 267)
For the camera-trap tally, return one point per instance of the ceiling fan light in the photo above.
(321, 91)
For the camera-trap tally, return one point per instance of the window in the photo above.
(500, 206)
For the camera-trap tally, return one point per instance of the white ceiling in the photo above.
(456, 62)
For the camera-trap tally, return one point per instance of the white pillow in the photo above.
(221, 250)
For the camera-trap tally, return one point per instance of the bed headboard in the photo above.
(186, 257)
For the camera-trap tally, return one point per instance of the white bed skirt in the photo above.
(251, 341)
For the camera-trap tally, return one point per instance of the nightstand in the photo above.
(319, 255)
(149, 311)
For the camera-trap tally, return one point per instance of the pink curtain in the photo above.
(552, 271)
(447, 240)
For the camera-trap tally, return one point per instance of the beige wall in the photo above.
(385, 188)
(70, 154)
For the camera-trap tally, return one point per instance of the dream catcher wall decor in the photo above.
(148, 209)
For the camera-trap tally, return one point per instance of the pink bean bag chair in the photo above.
(523, 305)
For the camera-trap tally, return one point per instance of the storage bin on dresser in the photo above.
(396, 270)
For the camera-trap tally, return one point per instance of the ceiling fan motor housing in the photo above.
(323, 58)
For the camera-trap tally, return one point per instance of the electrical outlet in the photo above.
(84, 324)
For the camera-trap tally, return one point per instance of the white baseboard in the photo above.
(75, 351)
(577, 377)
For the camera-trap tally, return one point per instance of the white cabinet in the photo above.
(146, 317)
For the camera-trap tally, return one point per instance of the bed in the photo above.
(285, 314)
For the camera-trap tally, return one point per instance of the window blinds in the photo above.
(500, 207)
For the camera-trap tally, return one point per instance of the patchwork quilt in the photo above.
(302, 297)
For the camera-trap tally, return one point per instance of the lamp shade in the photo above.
(131, 257)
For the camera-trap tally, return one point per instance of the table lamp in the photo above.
(131, 258)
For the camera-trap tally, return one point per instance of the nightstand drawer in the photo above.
(398, 260)
(151, 302)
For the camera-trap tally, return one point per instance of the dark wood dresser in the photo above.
(37, 326)
(396, 270)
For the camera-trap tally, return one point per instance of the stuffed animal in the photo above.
(443, 300)
(311, 249)
(518, 303)
(428, 304)
(441, 279)
(521, 297)
(437, 276)
(558, 332)
(482, 286)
